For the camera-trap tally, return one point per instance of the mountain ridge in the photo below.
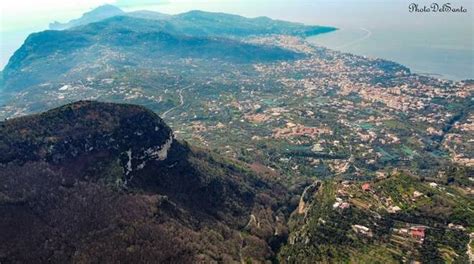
(97, 14)
(147, 38)
(105, 175)
(232, 22)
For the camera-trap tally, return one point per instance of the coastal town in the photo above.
(329, 113)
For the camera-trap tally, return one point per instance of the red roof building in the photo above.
(366, 187)
(418, 232)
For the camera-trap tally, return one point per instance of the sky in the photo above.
(19, 15)
(35, 15)
(24, 14)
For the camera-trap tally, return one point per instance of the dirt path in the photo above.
(470, 250)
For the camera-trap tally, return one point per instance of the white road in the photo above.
(181, 101)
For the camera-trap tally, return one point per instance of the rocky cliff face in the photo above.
(84, 129)
(101, 182)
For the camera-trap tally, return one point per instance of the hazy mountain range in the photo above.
(135, 39)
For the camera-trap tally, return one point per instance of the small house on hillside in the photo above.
(418, 233)
(366, 187)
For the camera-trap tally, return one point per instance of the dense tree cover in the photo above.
(77, 185)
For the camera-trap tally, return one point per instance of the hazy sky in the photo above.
(22, 14)
(36, 14)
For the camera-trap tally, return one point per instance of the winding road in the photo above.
(181, 101)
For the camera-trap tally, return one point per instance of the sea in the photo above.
(439, 44)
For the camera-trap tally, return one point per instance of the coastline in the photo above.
(358, 41)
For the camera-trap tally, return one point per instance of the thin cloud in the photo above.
(133, 3)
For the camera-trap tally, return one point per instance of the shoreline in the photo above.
(343, 47)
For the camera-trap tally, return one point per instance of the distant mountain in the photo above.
(108, 39)
(96, 181)
(99, 13)
(221, 24)
(201, 23)
(147, 14)
(136, 40)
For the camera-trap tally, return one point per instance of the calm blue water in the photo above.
(421, 56)
(438, 44)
